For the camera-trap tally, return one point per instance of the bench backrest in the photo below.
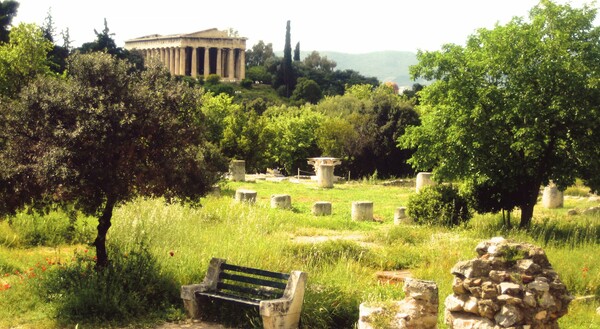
(251, 283)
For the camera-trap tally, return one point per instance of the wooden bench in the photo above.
(277, 296)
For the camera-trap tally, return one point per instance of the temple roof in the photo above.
(208, 34)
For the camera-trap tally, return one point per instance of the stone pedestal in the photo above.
(281, 201)
(243, 195)
(400, 216)
(552, 197)
(325, 175)
(423, 180)
(321, 208)
(362, 210)
(238, 170)
(215, 190)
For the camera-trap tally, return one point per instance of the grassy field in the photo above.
(341, 267)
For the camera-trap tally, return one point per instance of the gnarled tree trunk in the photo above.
(103, 226)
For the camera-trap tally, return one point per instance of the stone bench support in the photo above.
(400, 216)
(238, 170)
(321, 208)
(362, 210)
(552, 197)
(325, 176)
(243, 195)
(281, 201)
(423, 180)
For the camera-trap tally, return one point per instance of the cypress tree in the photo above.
(288, 70)
(297, 52)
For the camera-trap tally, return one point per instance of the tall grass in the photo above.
(177, 242)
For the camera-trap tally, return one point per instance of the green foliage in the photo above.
(328, 252)
(297, 52)
(292, 136)
(104, 135)
(335, 137)
(246, 83)
(439, 205)
(258, 55)
(261, 237)
(316, 62)
(259, 73)
(245, 137)
(216, 107)
(8, 11)
(132, 287)
(306, 91)
(512, 106)
(212, 79)
(53, 229)
(23, 58)
(104, 43)
(285, 81)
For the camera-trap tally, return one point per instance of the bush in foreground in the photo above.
(439, 205)
(131, 287)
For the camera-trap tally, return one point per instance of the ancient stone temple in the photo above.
(196, 54)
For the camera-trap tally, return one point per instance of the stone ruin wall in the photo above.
(509, 285)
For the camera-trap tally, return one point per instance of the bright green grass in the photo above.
(341, 271)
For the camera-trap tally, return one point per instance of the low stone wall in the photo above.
(418, 310)
(509, 285)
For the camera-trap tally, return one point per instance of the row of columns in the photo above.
(228, 63)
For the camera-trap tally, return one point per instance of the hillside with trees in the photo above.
(384, 65)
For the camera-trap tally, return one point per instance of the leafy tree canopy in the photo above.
(23, 58)
(101, 136)
(8, 10)
(514, 108)
(258, 55)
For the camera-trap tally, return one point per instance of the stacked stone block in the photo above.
(509, 285)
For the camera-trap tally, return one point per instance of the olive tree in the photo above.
(102, 136)
(514, 108)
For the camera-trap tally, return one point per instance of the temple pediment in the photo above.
(210, 33)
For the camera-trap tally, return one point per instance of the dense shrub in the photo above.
(131, 287)
(51, 229)
(439, 205)
(246, 83)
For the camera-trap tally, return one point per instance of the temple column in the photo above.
(242, 64)
(206, 61)
(231, 69)
(219, 63)
(163, 57)
(177, 60)
(168, 59)
(182, 61)
(194, 72)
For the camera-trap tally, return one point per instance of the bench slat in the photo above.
(256, 292)
(255, 281)
(250, 270)
(231, 298)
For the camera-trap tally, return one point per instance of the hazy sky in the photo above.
(346, 26)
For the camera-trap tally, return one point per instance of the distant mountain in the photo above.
(384, 65)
